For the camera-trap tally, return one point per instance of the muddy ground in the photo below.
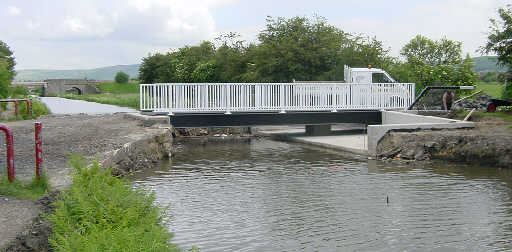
(91, 136)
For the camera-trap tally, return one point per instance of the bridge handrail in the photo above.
(278, 97)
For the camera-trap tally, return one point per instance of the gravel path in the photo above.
(62, 134)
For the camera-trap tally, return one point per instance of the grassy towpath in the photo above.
(120, 94)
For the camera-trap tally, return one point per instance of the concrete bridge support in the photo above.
(318, 130)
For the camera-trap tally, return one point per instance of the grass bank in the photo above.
(24, 190)
(38, 109)
(100, 212)
(124, 95)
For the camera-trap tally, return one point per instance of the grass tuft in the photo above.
(32, 190)
(100, 212)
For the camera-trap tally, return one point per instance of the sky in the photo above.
(83, 34)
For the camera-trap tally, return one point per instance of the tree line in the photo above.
(302, 48)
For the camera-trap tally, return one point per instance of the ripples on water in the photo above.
(263, 195)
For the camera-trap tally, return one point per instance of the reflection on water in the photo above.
(263, 195)
(67, 106)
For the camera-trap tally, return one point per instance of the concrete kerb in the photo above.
(149, 120)
(392, 120)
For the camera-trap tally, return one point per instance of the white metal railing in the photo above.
(279, 97)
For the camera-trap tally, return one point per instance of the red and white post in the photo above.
(39, 149)
(9, 139)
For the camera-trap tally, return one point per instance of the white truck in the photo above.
(366, 75)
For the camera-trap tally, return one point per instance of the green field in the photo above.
(124, 95)
(491, 88)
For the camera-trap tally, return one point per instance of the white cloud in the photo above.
(91, 33)
(465, 21)
(13, 11)
(143, 26)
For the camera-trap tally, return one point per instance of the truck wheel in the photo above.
(491, 107)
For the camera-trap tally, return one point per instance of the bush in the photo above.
(18, 92)
(122, 77)
(5, 79)
(100, 212)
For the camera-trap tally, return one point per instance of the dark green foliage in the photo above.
(507, 92)
(300, 48)
(5, 79)
(204, 72)
(122, 77)
(7, 72)
(296, 48)
(153, 68)
(433, 53)
(100, 212)
(18, 92)
(429, 62)
(7, 57)
(500, 36)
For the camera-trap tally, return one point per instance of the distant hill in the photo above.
(482, 64)
(102, 73)
(487, 63)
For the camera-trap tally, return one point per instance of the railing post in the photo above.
(140, 96)
(227, 98)
(29, 106)
(9, 139)
(39, 148)
(16, 108)
(281, 98)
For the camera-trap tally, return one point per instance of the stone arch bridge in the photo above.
(60, 86)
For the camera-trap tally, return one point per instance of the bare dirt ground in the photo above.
(489, 143)
(62, 134)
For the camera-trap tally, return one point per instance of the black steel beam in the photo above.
(428, 88)
(197, 120)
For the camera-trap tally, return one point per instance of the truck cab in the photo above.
(367, 75)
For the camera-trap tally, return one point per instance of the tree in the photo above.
(428, 62)
(434, 53)
(232, 59)
(204, 72)
(7, 57)
(153, 68)
(499, 40)
(122, 77)
(297, 48)
(5, 78)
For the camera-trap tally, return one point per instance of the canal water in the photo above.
(58, 105)
(263, 195)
